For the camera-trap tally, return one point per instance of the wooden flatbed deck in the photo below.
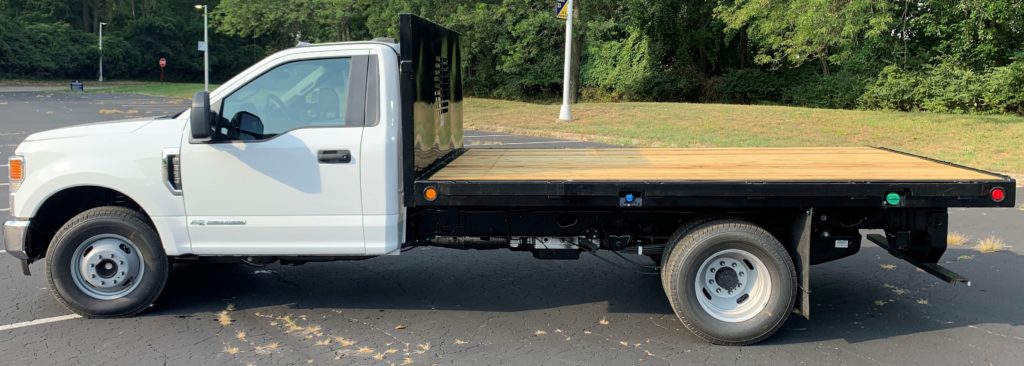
(701, 164)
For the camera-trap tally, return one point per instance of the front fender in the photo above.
(127, 163)
(133, 169)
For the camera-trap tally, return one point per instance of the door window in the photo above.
(308, 93)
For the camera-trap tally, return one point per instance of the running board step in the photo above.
(934, 269)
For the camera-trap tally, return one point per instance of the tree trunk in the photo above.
(85, 16)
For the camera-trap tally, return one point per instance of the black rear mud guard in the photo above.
(802, 259)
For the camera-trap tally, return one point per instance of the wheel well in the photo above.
(64, 205)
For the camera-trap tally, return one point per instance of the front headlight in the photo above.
(15, 172)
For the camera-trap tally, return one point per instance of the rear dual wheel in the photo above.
(730, 282)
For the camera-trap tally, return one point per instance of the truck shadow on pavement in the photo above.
(865, 297)
(874, 296)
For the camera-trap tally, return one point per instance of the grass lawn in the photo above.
(173, 90)
(988, 142)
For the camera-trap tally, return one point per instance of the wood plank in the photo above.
(701, 164)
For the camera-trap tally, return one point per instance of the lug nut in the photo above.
(721, 263)
(711, 282)
(741, 274)
(718, 291)
(712, 270)
(734, 265)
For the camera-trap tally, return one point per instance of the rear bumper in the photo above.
(15, 236)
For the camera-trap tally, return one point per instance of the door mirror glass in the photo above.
(250, 126)
(200, 117)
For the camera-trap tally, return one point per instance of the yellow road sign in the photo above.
(562, 11)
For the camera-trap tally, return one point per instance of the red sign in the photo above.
(163, 62)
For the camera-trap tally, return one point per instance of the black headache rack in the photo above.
(431, 89)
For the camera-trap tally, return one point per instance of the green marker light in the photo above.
(892, 198)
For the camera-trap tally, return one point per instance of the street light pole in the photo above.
(206, 48)
(101, 50)
(565, 114)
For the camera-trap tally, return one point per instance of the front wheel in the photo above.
(106, 262)
(730, 282)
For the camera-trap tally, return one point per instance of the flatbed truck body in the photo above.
(738, 177)
(354, 150)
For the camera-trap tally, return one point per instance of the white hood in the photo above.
(92, 129)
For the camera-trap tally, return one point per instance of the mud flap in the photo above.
(802, 260)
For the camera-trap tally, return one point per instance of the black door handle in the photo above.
(334, 156)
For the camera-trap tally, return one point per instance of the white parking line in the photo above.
(5, 184)
(39, 322)
(154, 105)
(529, 143)
(4, 209)
(475, 136)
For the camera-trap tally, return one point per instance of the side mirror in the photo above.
(200, 118)
(249, 124)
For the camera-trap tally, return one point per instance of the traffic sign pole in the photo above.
(565, 114)
(101, 50)
(163, 64)
(206, 52)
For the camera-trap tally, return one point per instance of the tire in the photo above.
(682, 231)
(747, 282)
(112, 245)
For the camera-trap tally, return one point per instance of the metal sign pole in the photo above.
(206, 52)
(565, 114)
(101, 50)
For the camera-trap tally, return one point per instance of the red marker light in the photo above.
(998, 194)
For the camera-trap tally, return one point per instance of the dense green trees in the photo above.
(941, 55)
(57, 39)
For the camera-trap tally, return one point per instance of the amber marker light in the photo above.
(430, 193)
(15, 171)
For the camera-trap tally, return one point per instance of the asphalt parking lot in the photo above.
(438, 306)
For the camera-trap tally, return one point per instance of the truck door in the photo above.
(281, 175)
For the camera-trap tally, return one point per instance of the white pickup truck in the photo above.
(354, 150)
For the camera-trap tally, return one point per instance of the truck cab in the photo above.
(300, 159)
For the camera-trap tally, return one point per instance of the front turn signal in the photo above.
(15, 171)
